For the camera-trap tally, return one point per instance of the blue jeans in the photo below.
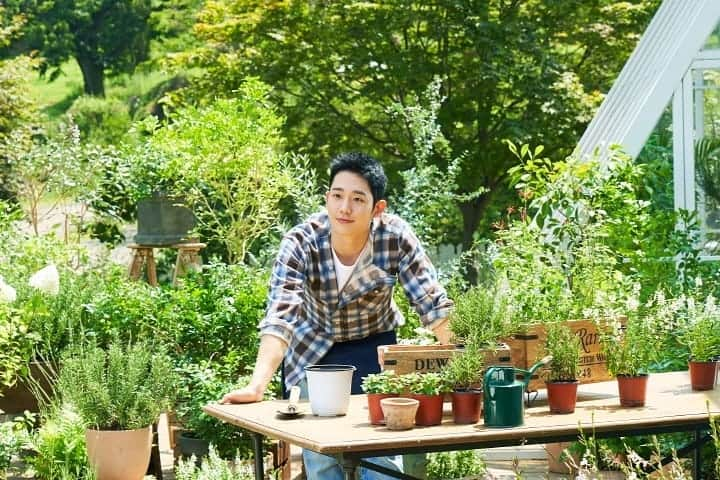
(324, 467)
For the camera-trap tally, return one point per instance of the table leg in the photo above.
(257, 440)
(697, 457)
(350, 465)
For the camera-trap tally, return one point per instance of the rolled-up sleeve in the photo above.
(285, 296)
(419, 280)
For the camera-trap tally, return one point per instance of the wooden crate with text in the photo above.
(528, 347)
(431, 358)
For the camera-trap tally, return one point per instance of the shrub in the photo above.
(213, 468)
(215, 313)
(101, 120)
(123, 388)
(226, 158)
(199, 385)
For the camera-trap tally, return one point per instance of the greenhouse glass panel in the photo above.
(706, 119)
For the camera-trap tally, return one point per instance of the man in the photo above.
(330, 298)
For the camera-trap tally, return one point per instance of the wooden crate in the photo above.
(430, 358)
(528, 347)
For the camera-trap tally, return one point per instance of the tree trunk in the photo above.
(93, 76)
(472, 213)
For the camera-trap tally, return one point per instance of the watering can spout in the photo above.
(529, 373)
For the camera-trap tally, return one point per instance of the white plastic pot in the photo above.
(329, 389)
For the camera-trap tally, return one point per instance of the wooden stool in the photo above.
(142, 257)
(188, 258)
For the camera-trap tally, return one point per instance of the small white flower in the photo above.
(7, 293)
(46, 280)
(373, 64)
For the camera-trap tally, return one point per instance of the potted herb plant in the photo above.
(428, 389)
(562, 374)
(378, 386)
(463, 376)
(119, 393)
(701, 335)
(629, 350)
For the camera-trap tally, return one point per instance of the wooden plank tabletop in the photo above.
(670, 403)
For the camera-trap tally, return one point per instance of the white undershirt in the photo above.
(343, 272)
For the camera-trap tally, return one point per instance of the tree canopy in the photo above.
(531, 71)
(103, 36)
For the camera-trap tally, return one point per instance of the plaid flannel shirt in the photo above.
(306, 310)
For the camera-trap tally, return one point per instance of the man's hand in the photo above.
(442, 332)
(242, 395)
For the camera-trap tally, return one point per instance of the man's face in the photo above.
(350, 205)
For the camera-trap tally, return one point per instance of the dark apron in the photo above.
(362, 354)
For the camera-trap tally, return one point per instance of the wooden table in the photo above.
(671, 407)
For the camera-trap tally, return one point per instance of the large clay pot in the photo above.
(632, 390)
(702, 375)
(430, 410)
(399, 412)
(562, 396)
(466, 406)
(375, 412)
(119, 454)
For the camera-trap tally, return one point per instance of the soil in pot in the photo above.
(466, 406)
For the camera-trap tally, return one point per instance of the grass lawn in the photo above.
(56, 97)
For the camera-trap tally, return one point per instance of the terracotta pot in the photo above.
(430, 411)
(632, 390)
(399, 412)
(119, 454)
(562, 396)
(466, 406)
(702, 375)
(375, 412)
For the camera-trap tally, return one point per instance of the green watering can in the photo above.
(503, 394)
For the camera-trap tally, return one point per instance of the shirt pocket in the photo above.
(376, 295)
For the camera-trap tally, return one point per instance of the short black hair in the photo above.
(365, 166)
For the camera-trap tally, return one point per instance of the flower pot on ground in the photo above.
(632, 390)
(119, 454)
(428, 389)
(701, 335)
(188, 445)
(562, 383)
(378, 386)
(463, 375)
(123, 390)
(399, 412)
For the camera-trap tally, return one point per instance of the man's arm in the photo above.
(420, 282)
(271, 352)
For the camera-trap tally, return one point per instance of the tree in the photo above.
(104, 36)
(531, 71)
